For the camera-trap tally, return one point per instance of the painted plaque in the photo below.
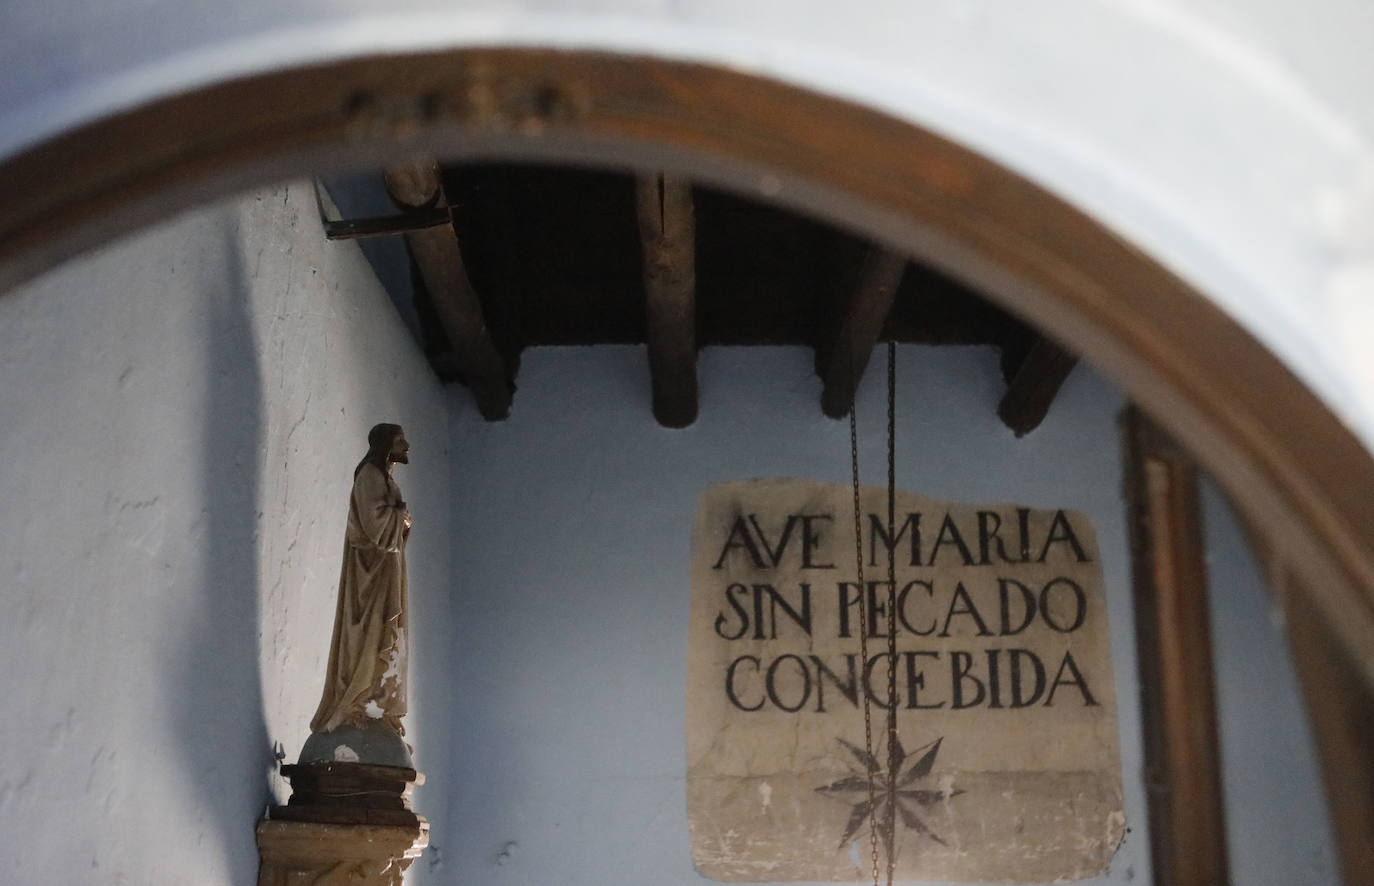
(1007, 760)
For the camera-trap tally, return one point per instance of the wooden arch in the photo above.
(1303, 481)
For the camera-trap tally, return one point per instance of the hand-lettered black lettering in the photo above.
(732, 593)
(1061, 532)
(850, 690)
(877, 609)
(877, 532)
(772, 679)
(811, 541)
(1075, 679)
(1020, 698)
(774, 552)
(739, 537)
(916, 679)
(802, 618)
(961, 663)
(730, 692)
(967, 608)
(949, 536)
(989, 525)
(903, 613)
(994, 679)
(1048, 609)
(1004, 598)
(848, 596)
(1023, 532)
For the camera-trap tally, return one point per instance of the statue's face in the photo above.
(400, 449)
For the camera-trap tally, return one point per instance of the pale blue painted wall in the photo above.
(573, 521)
(1276, 814)
(571, 533)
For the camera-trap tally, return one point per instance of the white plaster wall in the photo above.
(572, 592)
(182, 412)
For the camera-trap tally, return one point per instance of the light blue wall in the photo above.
(1276, 814)
(571, 527)
(571, 534)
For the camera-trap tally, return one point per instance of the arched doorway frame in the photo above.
(1303, 481)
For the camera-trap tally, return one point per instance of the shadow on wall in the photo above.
(218, 715)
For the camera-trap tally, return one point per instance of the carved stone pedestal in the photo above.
(346, 823)
(304, 853)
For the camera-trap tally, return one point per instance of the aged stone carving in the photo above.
(1005, 766)
(298, 853)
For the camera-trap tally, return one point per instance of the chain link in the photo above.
(863, 625)
(892, 762)
(890, 823)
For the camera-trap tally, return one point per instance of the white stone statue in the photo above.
(365, 684)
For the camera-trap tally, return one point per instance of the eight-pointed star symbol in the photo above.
(909, 799)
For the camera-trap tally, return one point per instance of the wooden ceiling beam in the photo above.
(667, 233)
(859, 329)
(1034, 385)
(439, 258)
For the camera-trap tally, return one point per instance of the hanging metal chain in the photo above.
(890, 822)
(863, 624)
(892, 762)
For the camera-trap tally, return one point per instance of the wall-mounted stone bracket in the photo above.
(297, 853)
(346, 823)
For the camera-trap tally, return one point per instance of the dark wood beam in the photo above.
(1177, 687)
(1034, 385)
(859, 329)
(417, 186)
(667, 232)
